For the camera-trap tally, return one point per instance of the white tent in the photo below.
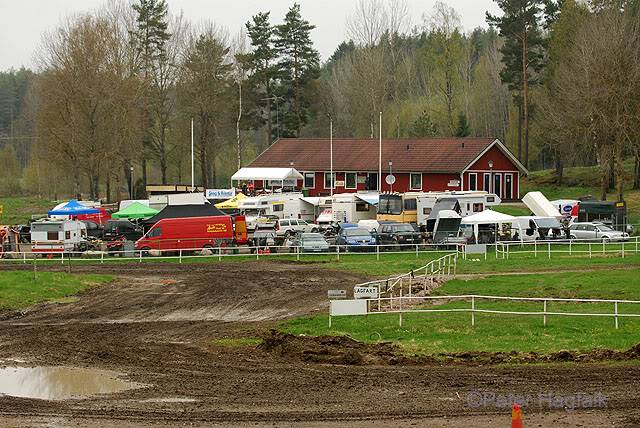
(486, 217)
(267, 174)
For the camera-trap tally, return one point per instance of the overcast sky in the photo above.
(24, 21)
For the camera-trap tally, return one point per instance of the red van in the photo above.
(194, 233)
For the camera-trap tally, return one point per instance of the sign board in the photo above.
(454, 183)
(365, 292)
(337, 294)
(340, 183)
(362, 179)
(220, 193)
(348, 307)
(391, 179)
(475, 248)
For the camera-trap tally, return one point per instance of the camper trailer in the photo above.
(280, 205)
(353, 207)
(465, 203)
(58, 236)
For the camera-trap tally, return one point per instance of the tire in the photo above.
(145, 251)
(572, 237)
(606, 239)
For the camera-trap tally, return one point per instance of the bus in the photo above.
(399, 207)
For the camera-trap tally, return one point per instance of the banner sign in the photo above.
(220, 193)
(365, 292)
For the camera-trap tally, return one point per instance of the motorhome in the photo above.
(465, 203)
(353, 207)
(399, 207)
(280, 205)
(58, 236)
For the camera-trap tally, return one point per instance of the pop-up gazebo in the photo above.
(136, 211)
(487, 217)
(268, 175)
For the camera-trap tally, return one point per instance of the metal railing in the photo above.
(410, 304)
(572, 247)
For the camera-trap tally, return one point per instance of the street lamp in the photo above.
(131, 189)
(491, 187)
(391, 176)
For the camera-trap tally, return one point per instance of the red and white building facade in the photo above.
(418, 165)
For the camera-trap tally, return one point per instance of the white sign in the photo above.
(220, 193)
(454, 183)
(365, 292)
(337, 294)
(348, 307)
(340, 183)
(391, 179)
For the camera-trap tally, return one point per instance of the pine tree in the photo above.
(262, 62)
(151, 35)
(299, 65)
(423, 127)
(522, 54)
(463, 126)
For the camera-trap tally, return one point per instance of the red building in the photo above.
(418, 165)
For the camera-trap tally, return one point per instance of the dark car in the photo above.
(397, 235)
(118, 229)
(356, 238)
(94, 230)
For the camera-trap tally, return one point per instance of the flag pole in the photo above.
(331, 153)
(192, 163)
(380, 156)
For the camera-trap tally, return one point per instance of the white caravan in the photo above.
(468, 203)
(57, 236)
(354, 207)
(280, 205)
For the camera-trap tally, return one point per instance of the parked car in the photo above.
(398, 234)
(310, 243)
(291, 226)
(356, 238)
(94, 230)
(116, 229)
(596, 231)
(262, 239)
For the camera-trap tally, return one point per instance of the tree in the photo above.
(423, 127)
(150, 38)
(522, 55)
(463, 129)
(262, 61)
(299, 65)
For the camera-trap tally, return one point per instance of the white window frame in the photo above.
(485, 187)
(304, 179)
(333, 182)
(346, 181)
(475, 176)
(411, 181)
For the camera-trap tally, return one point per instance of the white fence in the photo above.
(569, 247)
(410, 304)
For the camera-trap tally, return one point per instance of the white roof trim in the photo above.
(504, 150)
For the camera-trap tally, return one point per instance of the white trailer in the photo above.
(469, 203)
(57, 236)
(354, 207)
(280, 205)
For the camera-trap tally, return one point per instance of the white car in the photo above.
(290, 226)
(596, 231)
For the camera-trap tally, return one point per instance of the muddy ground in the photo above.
(161, 324)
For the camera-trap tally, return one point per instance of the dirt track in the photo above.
(158, 323)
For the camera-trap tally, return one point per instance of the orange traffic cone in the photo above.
(516, 417)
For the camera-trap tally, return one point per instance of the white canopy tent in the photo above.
(487, 217)
(267, 174)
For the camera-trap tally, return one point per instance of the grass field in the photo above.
(431, 334)
(18, 210)
(19, 290)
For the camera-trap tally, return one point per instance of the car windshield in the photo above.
(403, 228)
(356, 232)
(605, 228)
(390, 204)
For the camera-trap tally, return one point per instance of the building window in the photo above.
(410, 204)
(52, 236)
(473, 181)
(350, 180)
(486, 182)
(278, 207)
(309, 180)
(416, 181)
(372, 181)
(508, 186)
(328, 182)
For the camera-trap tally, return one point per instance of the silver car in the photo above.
(596, 231)
(310, 243)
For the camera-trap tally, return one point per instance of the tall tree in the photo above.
(522, 54)
(151, 36)
(262, 60)
(299, 65)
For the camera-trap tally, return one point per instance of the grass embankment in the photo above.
(429, 334)
(19, 290)
(18, 210)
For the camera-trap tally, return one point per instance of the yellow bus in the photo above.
(400, 207)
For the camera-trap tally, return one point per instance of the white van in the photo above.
(280, 205)
(58, 236)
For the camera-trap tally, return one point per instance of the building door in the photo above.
(497, 184)
(508, 186)
(372, 181)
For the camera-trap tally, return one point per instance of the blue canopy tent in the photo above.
(72, 208)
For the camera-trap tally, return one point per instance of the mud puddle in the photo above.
(60, 383)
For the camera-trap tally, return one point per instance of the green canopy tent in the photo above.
(136, 211)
